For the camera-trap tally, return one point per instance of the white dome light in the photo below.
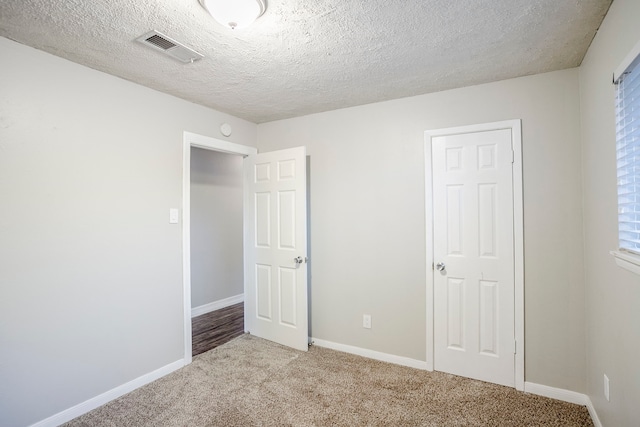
(235, 13)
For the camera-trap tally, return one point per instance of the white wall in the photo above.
(368, 216)
(90, 268)
(216, 226)
(612, 293)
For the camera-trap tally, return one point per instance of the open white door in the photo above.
(275, 247)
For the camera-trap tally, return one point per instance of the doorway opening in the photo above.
(217, 287)
(208, 162)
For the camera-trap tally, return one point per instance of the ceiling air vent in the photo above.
(169, 46)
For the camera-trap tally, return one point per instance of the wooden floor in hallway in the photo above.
(210, 330)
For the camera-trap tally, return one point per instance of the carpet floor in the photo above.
(253, 382)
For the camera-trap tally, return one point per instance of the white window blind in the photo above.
(628, 157)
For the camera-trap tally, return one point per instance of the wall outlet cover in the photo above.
(366, 321)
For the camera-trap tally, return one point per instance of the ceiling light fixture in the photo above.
(235, 13)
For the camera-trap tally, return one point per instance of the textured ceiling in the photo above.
(306, 56)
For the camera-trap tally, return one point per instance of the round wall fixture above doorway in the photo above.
(225, 129)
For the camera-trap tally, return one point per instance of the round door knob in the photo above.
(440, 266)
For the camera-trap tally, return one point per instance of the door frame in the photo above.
(518, 224)
(190, 140)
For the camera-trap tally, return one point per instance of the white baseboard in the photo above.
(593, 413)
(216, 305)
(108, 396)
(556, 393)
(371, 354)
(565, 396)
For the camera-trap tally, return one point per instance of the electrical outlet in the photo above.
(606, 387)
(366, 321)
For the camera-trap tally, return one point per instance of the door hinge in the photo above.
(513, 156)
(515, 347)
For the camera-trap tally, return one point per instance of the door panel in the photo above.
(488, 317)
(263, 292)
(473, 238)
(275, 236)
(455, 313)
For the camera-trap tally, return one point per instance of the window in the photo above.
(628, 158)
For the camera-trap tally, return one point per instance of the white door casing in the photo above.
(275, 239)
(475, 227)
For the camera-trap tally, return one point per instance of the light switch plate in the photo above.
(173, 216)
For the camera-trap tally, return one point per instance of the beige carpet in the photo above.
(253, 382)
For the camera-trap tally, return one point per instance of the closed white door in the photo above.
(275, 239)
(473, 239)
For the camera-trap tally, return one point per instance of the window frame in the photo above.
(627, 259)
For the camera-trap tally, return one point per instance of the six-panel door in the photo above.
(276, 246)
(473, 238)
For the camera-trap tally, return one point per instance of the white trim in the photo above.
(429, 249)
(194, 140)
(371, 354)
(108, 396)
(216, 305)
(564, 395)
(518, 247)
(555, 393)
(220, 145)
(186, 247)
(626, 62)
(627, 261)
(518, 228)
(593, 413)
